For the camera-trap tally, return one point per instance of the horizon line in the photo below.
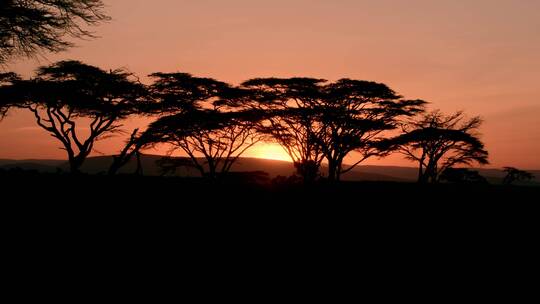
(251, 157)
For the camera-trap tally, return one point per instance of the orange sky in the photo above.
(481, 56)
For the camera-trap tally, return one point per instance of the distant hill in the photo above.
(272, 167)
(41, 165)
(34, 166)
(100, 164)
(45, 162)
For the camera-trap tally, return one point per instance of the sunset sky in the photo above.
(480, 56)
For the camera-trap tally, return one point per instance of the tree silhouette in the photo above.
(182, 92)
(293, 118)
(515, 175)
(219, 137)
(8, 96)
(462, 176)
(207, 120)
(313, 120)
(355, 116)
(29, 26)
(438, 142)
(68, 93)
(132, 147)
(171, 93)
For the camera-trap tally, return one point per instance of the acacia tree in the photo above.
(293, 118)
(438, 142)
(171, 93)
(220, 138)
(514, 175)
(355, 115)
(29, 26)
(207, 119)
(67, 94)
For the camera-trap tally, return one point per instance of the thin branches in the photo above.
(28, 27)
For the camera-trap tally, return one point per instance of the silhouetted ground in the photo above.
(172, 215)
(253, 188)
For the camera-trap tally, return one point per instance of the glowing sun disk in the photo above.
(269, 151)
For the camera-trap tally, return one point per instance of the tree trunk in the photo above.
(332, 170)
(139, 170)
(421, 178)
(211, 170)
(308, 170)
(339, 165)
(434, 175)
(75, 164)
(118, 162)
(113, 169)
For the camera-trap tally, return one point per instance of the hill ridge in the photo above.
(100, 164)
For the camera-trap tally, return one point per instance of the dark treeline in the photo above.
(312, 119)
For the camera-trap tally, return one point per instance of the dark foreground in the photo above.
(389, 221)
(169, 192)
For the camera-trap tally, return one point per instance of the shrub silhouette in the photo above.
(515, 175)
(462, 176)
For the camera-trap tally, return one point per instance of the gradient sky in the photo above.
(480, 56)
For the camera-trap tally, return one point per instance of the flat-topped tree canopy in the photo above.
(360, 90)
(469, 148)
(295, 120)
(438, 142)
(275, 83)
(206, 117)
(370, 98)
(200, 120)
(64, 92)
(356, 115)
(417, 138)
(316, 119)
(87, 91)
(365, 106)
(220, 137)
(272, 92)
(186, 124)
(176, 92)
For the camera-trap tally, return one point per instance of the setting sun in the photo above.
(269, 151)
